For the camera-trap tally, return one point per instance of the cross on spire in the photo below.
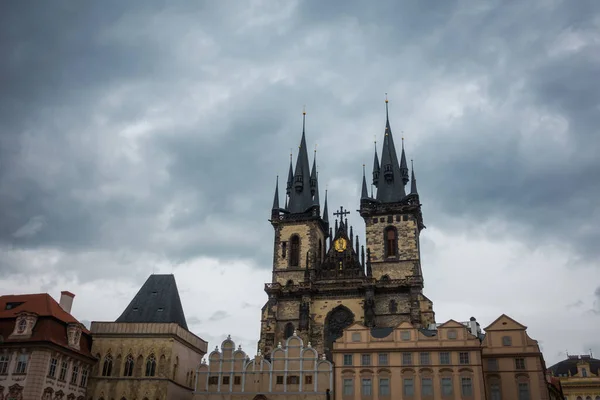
(341, 213)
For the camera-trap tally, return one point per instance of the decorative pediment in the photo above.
(343, 259)
(505, 323)
(451, 324)
(24, 324)
(74, 335)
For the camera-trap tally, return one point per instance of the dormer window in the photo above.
(22, 326)
(74, 335)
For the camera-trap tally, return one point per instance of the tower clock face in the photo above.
(340, 244)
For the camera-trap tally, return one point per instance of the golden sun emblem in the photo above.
(340, 244)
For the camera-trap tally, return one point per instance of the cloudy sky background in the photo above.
(141, 137)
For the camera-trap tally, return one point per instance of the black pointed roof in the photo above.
(413, 181)
(156, 302)
(325, 210)
(301, 198)
(276, 198)
(390, 188)
(403, 165)
(376, 167)
(364, 192)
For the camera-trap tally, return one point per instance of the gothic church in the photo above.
(323, 280)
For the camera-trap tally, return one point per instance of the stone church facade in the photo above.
(323, 279)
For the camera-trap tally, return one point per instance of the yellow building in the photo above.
(295, 372)
(579, 376)
(451, 361)
(148, 353)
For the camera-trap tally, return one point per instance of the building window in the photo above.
(446, 386)
(279, 380)
(366, 389)
(52, 368)
(492, 364)
(225, 380)
(295, 251)
(584, 372)
(356, 337)
(366, 359)
(151, 365)
(426, 387)
(463, 358)
(289, 330)
(4, 364)
(519, 363)
(391, 242)
(106, 368)
(524, 391)
(406, 358)
(405, 335)
(22, 325)
(425, 360)
(308, 379)
(452, 334)
(293, 380)
(128, 366)
(506, 341)
(214, 380)
(466, 386)
(237, 380)
(409, 387)
(21, 364)
(84, 377)
(495, 391)
(445, 358)
(347, 359)
(383, 359)
(74, 374)
(384, 386)
(63, 370)
(348, 386)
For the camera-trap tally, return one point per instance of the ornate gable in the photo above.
(342, 260)
(24, 324)
(505, 323)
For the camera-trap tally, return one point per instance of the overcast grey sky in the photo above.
(146, 136)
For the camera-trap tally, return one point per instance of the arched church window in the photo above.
(295, 251)
(391, 242)
(289, 330)
(108, 364)
(151, 365)
(128, 366)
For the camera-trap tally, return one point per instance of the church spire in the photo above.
(376, 167)
(413, 181)
(403, 165)
(314, 180)
(365, 193)
(391, 188)
(301, 198)
(325, 210)
(290, 180)
(276, 198)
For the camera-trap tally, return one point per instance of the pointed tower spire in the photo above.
(290, 180)
(390, 189)
(276, 198)
(365, 192)
(376, 168)
(325, 210)
(301, 197)
(413, 181)
(403, 165)
(314, 180)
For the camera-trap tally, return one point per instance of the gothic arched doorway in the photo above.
(260, 397)
(337, 320)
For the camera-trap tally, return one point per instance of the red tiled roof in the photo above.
(51, 323)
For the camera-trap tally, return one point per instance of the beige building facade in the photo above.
(294, 372)
(148, 353)
(451, 361)
(579, 376)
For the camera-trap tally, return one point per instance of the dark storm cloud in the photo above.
(160, 128)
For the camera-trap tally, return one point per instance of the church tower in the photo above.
(323, 280)
(394, 222)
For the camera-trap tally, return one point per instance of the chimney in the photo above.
(66, 300)
(473, 325)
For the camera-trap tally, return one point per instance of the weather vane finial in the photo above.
(386, 99)
(304, 109)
